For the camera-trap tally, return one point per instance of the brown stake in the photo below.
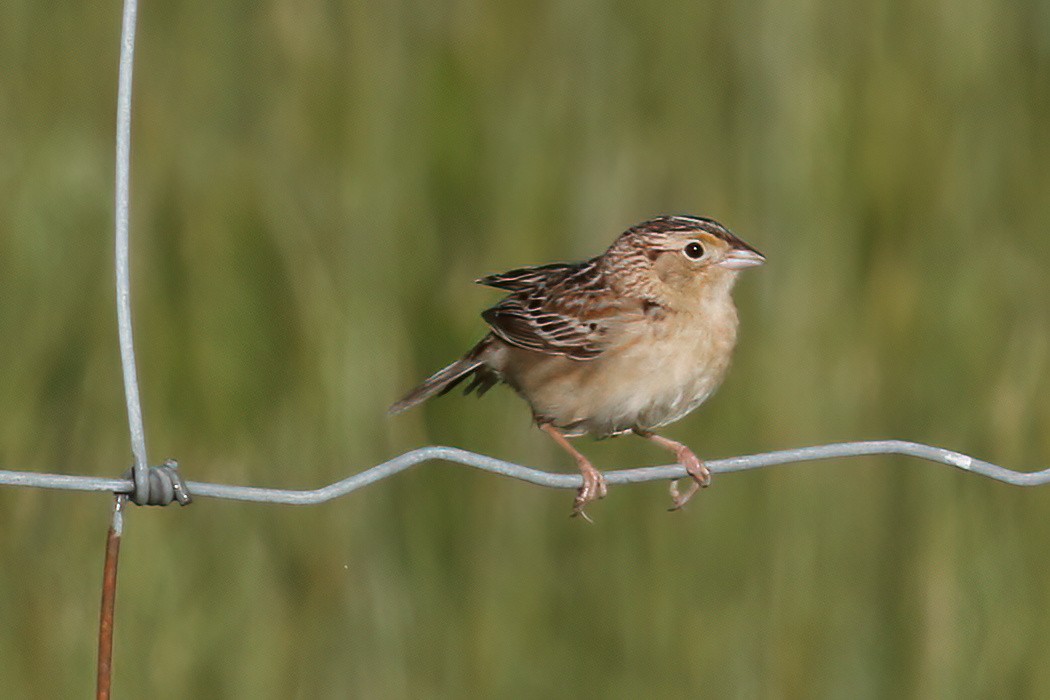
(109, 597)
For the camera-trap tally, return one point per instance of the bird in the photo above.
(625, 342)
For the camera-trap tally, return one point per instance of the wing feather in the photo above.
(525, 277)
(559, 309)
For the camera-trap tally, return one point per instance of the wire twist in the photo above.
(163, 486)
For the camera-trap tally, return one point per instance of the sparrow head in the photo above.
(679, 258)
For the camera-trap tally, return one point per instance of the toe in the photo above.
(695, 467)
(578, 505)
(680, 499)
(592, 489)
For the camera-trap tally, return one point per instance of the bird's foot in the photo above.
(593, 488)
(697, 471)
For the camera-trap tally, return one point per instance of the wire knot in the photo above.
(162, 485)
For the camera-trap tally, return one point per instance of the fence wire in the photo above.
(122, 254)
(538, 477)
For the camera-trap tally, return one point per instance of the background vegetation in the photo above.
(315, 184)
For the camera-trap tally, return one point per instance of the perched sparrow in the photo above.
(628, 341)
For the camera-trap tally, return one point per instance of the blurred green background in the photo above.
(315, 185)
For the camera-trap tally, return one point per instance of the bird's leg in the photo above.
(694, 466)
(593, 482)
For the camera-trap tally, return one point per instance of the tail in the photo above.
(445, 380)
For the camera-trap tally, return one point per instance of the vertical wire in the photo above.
(127, 347)
(127, 352)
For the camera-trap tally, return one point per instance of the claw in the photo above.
(677, 501)
(694, 467)
(698, 471)
(593, 488)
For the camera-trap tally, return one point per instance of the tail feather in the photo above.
(442, 382)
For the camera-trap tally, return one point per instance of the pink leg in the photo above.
(694, 466)
(593, 482)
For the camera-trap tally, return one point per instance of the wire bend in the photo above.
(537, 476)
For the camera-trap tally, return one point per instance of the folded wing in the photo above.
(559, 309)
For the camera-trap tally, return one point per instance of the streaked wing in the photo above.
(526, 277)
(556, 309)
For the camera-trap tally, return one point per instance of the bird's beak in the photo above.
(739, 258)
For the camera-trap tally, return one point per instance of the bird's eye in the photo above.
(693, 250)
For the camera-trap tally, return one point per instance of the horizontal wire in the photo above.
(537, 476)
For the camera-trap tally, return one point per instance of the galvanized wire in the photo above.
(537, 476)
(123, 267)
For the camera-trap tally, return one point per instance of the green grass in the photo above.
(315, 184)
